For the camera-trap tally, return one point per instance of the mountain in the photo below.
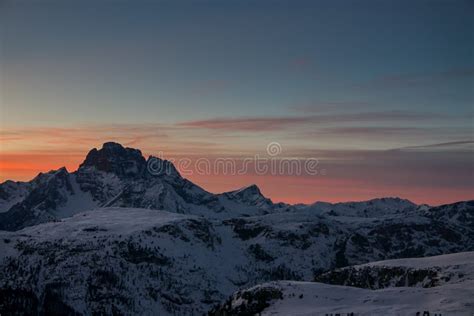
(141, 261)
(12, 192)
(129, 235)
(118, 176)
(372, 208)
(439, 285)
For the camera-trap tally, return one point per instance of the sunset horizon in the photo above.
(285, 187)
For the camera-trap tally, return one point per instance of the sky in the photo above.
(380, 93)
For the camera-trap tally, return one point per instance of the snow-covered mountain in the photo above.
(139, 261)
(115, 237)
(440, 285)
(118, 176)
(372, 208)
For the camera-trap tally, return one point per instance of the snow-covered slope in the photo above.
(440, 285)
(308, 299)
(413, 272)
(140, 261)
(131, 261)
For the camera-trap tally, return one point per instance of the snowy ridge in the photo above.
(454, 259)
(413, 272)
(372, 208)
(309, 299)
(141, 261)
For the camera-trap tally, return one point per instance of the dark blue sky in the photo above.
(194, 59)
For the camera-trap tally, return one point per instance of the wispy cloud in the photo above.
(250, 124)
(373, 130)
(255, 124)
(332, 106)
(84, 135)
(440, 145)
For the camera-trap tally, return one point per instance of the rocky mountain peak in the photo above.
(114, 158)
(250, 195)
(251, 190)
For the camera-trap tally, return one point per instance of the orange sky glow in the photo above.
(335, 185)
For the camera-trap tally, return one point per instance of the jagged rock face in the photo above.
(114, 158)
(251, 196)
(11, 193)
(11, 189)
(47, 192)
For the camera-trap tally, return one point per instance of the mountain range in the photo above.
(115, 238)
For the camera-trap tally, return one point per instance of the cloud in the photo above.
(84, 135)
(325, 106)
(246, 123)
(374, 130)
(256, 124)
(426, 133)
(439, 145)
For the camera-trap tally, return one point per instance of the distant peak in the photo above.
(112, 145)
(113, 157)
(251, 190)
(250, 195)
(62, 170)
(394, 199)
